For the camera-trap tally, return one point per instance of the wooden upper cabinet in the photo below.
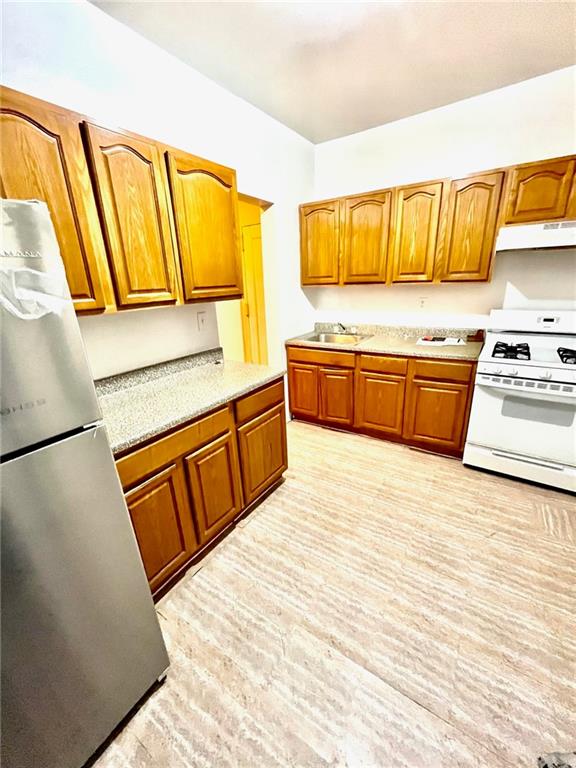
(366, 237)
(319, 243)
(205, 205)
(539, 191)
(416, 230)
(472, 226)
(132, 194)
(42, 158)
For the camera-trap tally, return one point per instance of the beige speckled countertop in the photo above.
(398, 343)
(143, 404)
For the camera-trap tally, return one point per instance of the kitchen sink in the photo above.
(337, 338)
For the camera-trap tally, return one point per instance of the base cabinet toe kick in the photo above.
(187, 488)
(422, 402)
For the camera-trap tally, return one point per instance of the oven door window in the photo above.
(529, 426)
(539, 411)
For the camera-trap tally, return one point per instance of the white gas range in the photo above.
(523, 417)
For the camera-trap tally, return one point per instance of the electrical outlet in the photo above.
(422, 301)
(201, 320)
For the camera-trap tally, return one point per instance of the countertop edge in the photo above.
(120, 449)
(441, 353)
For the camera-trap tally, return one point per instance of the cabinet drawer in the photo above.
(383, 364)
(321, 357)
(445, 370)
(142, 462)
(258, 402)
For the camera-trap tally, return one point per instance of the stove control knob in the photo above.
(497, 371)
(513, 372)
(546, 375)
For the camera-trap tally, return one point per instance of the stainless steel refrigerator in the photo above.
(81, 643)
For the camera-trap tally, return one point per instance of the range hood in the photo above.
(529, 237)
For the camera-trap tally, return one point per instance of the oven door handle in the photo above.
(532, 394)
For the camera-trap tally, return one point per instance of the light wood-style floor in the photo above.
(384, 608)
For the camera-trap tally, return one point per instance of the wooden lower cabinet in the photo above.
(263, 451)
(436, 414)
(162, 519)
(185, 488)
(336, 389)
(214, 485)
(424, 402)
(379, 402)
(303, 388)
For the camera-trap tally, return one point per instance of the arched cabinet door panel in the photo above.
(319, 243)
(42, 158)
(540, 192)
(416, 231)
(131, 190)
(366, 237)
(205, 206)
(472, 226)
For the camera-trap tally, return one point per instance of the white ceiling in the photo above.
(328, 69)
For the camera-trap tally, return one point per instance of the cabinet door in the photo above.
(379, 403)
(366, 236)
(303, 389)
(205, 205)
(162, 521)
(215, 485)
(336, 395)
(539, 191)
(472, 227)
(319, 243)
(132, 196)
(416, 229)
(42, 158)
(263, 452)
(435, 414)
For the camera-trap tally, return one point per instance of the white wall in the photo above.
(529, 121)
(128, 340)
(74, 55)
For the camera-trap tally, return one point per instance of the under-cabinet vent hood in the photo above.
(559, 234)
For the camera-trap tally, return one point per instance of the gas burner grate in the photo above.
(568, 356)
(511, 351)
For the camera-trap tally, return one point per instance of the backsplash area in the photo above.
(521, 279)
(125, 341)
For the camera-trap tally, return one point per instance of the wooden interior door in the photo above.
(366, 237)
(379, 402)
(42, 158)
(132, 192)
(539, 191)
(162, 521)
(472, 227)
(213, 474)
(303, 389)
(205, 205)
(253, 305)
(336, 395)
(435, 414)
(263, 451)
(319, 243)
(416, 230)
